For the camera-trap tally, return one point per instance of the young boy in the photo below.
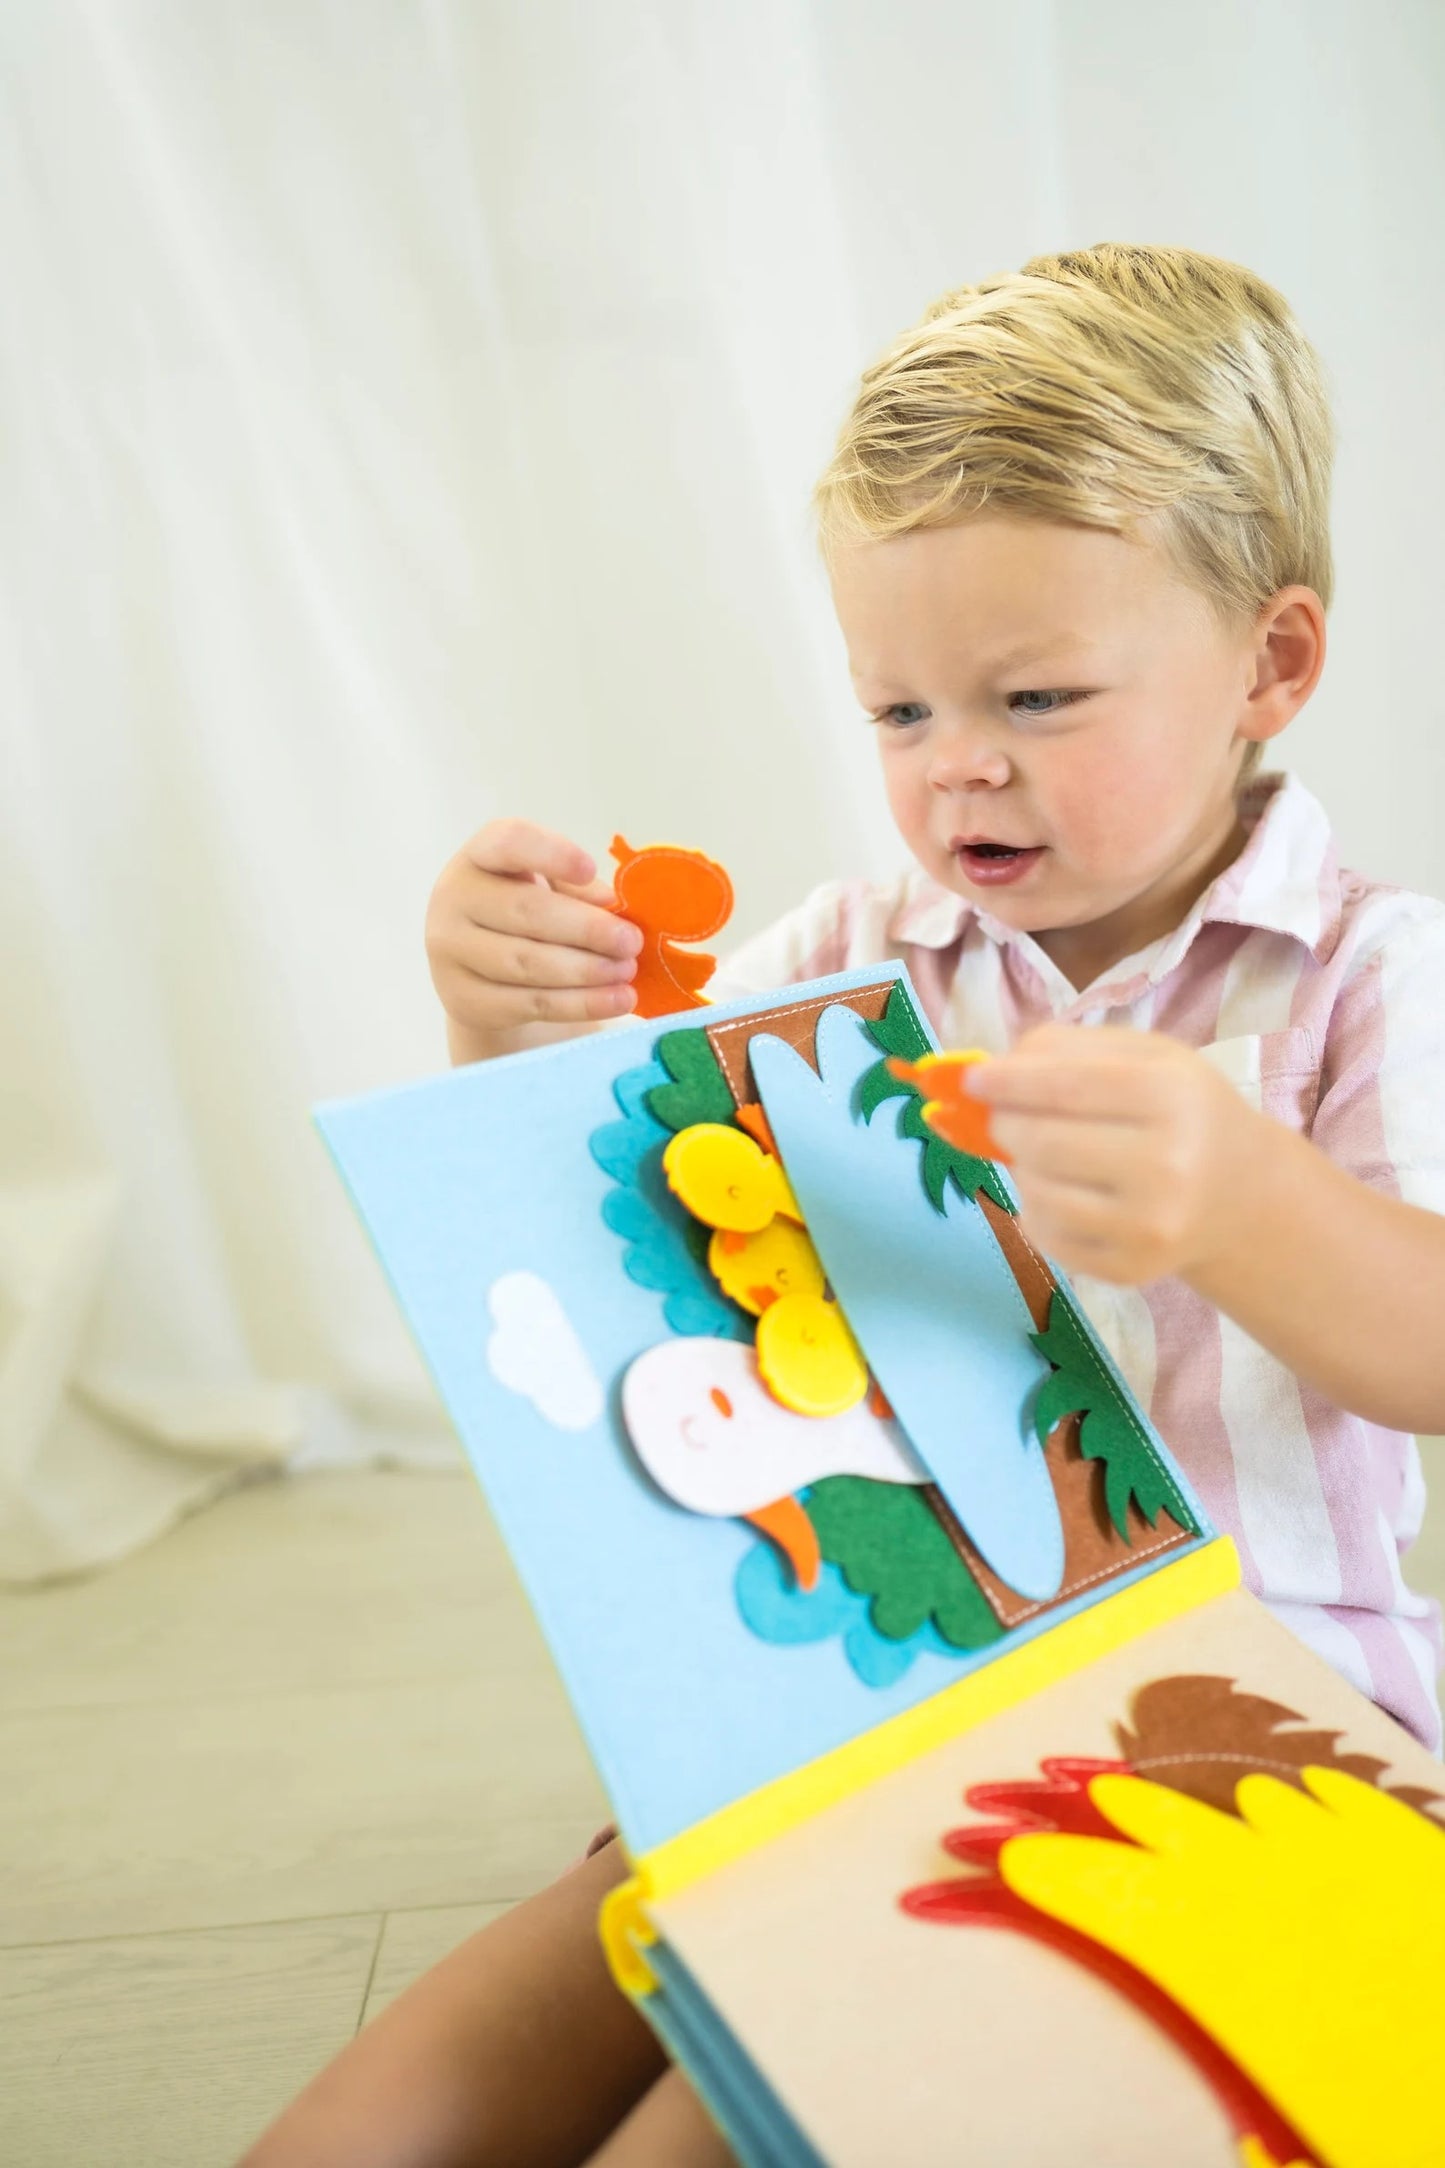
(1077, 531)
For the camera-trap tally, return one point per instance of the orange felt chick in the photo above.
(947, 1108)
(670, 895)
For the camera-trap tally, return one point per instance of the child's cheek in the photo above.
(1077, 795)
(905, 781)
(1103, 813)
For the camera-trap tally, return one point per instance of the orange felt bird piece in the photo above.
(670, 895)
(948, 1109)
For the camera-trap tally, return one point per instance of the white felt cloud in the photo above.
(712, 1436)
(535, 1351)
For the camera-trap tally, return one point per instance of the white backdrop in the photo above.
(409, 414)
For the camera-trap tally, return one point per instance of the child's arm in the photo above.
(1134, 1159)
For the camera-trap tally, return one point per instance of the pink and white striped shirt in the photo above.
(1321, 995)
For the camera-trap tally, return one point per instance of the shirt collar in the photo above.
(1285, 880)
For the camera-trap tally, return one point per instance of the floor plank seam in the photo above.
(285, 1919)
(371, 1972)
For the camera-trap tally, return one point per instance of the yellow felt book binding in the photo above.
(626, 1932)
(735, 1830)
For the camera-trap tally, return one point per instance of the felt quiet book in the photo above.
(974, 1812)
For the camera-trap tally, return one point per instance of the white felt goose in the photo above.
(712, 1436)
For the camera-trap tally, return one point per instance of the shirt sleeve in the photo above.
(1381, 1113)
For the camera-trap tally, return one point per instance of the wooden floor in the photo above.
(251, 1782)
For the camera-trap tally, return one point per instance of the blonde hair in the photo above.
(1115, 386)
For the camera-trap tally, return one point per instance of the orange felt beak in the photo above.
(948, 1109)
(785, 1523)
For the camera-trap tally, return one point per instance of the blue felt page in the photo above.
(486, 1177)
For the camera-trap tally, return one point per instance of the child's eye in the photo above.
(1064, 700)
(907, 714)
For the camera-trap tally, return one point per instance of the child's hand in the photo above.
(1127, 1148)
(521, 946)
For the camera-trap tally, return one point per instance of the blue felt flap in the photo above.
(929, 1295)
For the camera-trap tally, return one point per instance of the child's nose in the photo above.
(965, 757)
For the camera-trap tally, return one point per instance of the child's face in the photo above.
(1057, 689)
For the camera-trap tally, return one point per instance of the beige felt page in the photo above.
(895, 2040)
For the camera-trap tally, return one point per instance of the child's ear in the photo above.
(1288, 655)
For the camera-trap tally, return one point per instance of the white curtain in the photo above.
(409, 412)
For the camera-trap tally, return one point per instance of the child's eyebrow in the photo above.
(1044, 649)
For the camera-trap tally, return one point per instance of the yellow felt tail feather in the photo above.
(1305, 1934)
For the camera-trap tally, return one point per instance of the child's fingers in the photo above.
(520, 847)
(533, 911)
(492, 1005)
(1091, 1155)
(596, 892)
(1082, 1091)
(509, 960)
(1076, 1230)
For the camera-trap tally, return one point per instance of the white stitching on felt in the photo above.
(796, 1008)
(1101, 1573)
(1169, 1761)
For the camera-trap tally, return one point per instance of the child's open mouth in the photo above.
(994, 864)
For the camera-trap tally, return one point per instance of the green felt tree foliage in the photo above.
(899, 1032)
(1110, 1432)
(698, 1091)
(889, 1544)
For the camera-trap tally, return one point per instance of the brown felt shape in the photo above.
(794, 1022)
(1200, 1734)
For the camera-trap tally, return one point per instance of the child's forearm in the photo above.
(1344, 1286)
(466, 1044)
